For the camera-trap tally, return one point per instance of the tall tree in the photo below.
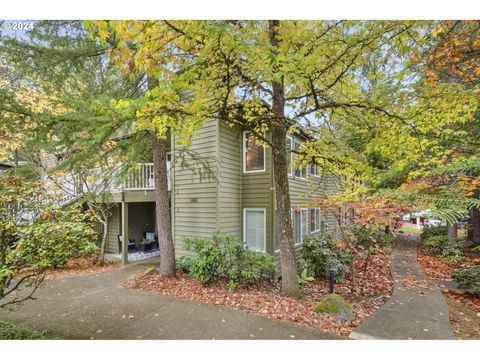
(276, 76)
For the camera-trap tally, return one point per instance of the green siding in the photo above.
(230, 180)
(194, 202)
(113, 230)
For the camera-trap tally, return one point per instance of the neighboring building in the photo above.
(239, 201)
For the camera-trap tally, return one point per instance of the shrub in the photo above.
(433, 231)
(36, 236)
(468, 278)
(223, 256)
(320, 251)
(436, 243)
(183, 264)
(368, 238)
(9, 331)
(451, 250)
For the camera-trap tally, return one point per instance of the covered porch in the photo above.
(132, 231)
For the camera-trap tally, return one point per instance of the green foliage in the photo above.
(36, 236)
(468, 278)
(183, 264)
(433, 231)
(10, 331)
(320, 252)
(450, 250)
(223, 256)
(304, 278)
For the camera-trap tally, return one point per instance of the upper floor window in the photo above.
(253, 154)
(300, 172)
(314, 171)
(293, 144)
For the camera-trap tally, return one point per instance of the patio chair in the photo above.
(150, 241)
(131, 244)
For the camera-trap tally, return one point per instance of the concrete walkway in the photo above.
(97, 307)
(416, 310)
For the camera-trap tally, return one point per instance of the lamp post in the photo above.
(331, 272)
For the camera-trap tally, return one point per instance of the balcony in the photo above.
(140, 176)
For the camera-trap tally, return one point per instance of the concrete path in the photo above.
(97, 307)
(416, 310)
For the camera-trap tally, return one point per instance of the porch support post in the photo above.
(125, 233)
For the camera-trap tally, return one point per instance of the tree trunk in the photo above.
(162, 206)
(104, 240)
(452, 231)
(283, 222)
(474, 233)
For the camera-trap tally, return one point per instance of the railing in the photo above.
(138, 177)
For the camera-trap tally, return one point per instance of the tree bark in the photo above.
(474, 226)
(283, 222)
(162, 206)
(452, 231)
(104, 222)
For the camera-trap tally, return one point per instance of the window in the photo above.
(254, 229)
(302, 171)
(297, 227)
(304, 217)
(315, 220)
(313, 170)
(253, 154)
(300, 225)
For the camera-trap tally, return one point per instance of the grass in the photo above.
(9, 331)
(411, 230)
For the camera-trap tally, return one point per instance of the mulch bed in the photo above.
(434, 266)
(81, 266)
(372, 289)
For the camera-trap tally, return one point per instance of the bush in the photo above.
(451, 250)
(369, 239)
(224, 256)
(9, 331)
(320, 251)
(36, 236)
(433, 231)
(468, 278)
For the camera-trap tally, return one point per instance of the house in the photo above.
(238, 200)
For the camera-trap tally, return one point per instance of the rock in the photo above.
(334, 304)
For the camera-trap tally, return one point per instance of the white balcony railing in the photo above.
(139, 177)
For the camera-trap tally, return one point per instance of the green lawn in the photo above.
(411, 230)
(9, 331)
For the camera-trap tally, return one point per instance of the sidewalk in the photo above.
(416, 310)
(96, 307)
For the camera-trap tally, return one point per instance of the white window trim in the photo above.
(245, 171)
(264, 227)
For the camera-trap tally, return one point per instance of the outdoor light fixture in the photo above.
(331, 272)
